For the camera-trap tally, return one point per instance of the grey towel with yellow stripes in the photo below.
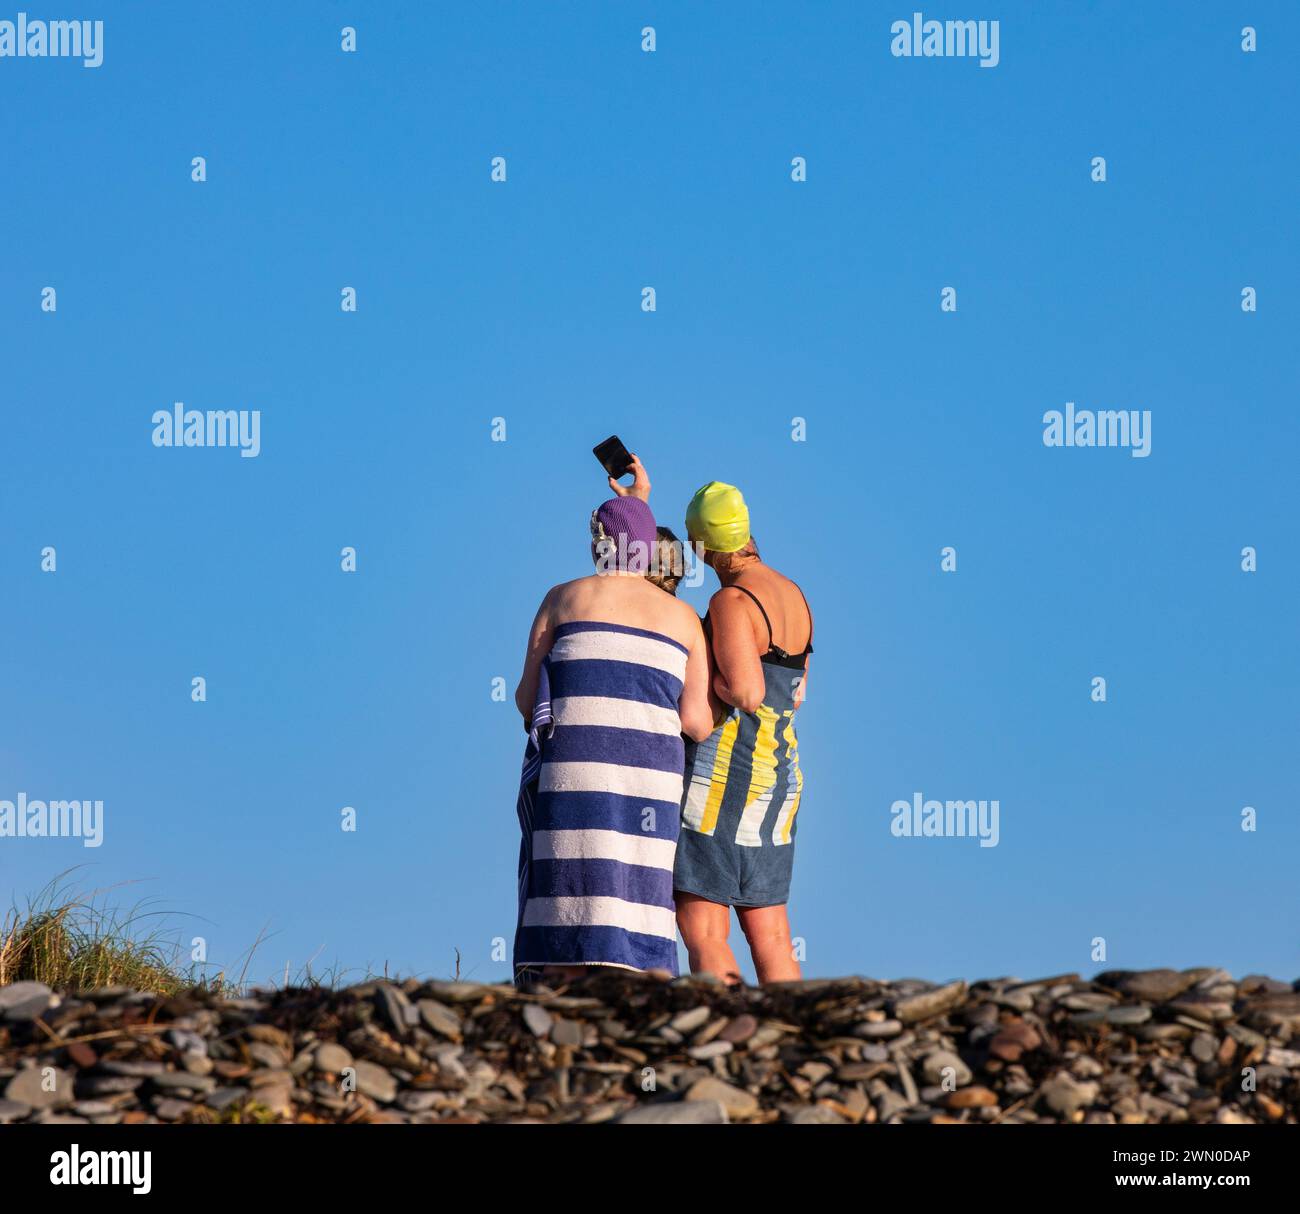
(742, 791)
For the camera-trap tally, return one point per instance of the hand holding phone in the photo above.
(613, 456)
(618, 461)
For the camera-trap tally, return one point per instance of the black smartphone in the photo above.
(613, 456)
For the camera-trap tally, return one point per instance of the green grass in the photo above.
(75, 941)
(82, 941)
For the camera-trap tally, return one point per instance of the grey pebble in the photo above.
(679, 1112)
(538, 1019)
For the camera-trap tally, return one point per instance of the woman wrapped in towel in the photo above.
(616, 671)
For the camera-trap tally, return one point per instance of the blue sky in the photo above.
(775, 300)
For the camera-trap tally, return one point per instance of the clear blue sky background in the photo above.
(775, 300)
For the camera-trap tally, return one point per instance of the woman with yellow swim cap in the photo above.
(743, 782)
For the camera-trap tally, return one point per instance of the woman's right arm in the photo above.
(738, 679)
(539, 645)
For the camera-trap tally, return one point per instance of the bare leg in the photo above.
(704, 926)
(768, 931)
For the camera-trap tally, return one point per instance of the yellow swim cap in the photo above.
(718, 518)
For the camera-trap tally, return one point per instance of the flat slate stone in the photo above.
(17, 994)
(40, 1087)
(680, 1112)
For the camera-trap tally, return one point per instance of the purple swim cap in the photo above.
(630, 524)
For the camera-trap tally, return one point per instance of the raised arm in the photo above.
(540, 637)
(640, 486)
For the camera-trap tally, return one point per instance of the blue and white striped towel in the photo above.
(599, 801)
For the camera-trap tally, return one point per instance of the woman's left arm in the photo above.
(539, 645)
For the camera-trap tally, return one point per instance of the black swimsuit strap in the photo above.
(763, 613)
(771, 646)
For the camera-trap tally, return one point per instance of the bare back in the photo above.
(631, 601)
(624, 599)
(785, 607)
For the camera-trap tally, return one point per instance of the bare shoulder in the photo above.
(735, 614)
(729, 598)
(554, 600)
(565, 591)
